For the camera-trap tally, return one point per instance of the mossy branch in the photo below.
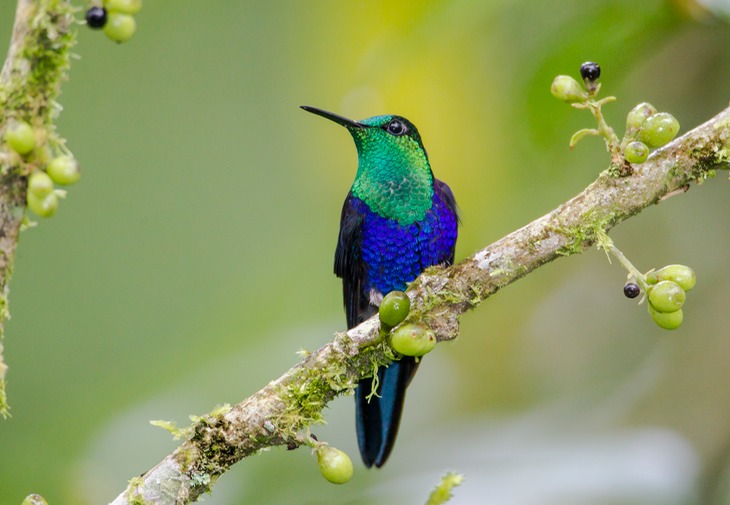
(36, 64)
(281, 411)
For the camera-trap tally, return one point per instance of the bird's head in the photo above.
(393, 169)
(386, 137)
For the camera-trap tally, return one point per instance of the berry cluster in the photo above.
(666, 291)
(645, 127)
(116, 17)
(406, 339)
(63, 169)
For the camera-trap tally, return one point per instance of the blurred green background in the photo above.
(195, 256)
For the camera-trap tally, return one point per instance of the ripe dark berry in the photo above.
(96, 17)
(590, 71)
(632, 290)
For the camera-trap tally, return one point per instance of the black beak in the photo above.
(347, 123)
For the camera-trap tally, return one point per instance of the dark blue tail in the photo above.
(378, 419)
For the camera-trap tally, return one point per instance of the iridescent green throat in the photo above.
(393, 175)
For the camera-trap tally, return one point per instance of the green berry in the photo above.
(64, 170)
(636, 152)
(635, 119)
(666, 296)
(120, 27)
(34, 499)
(667, 320)
(20, 137)
(567, 89)
(681, 274)
(123, 6)
(44, 206)
(413, 340)
(394, 308)
(659, 129)
(334, 464)
(40, 184)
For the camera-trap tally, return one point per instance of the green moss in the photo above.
(592, 229)
(217, 456)
(47, 51)
(133, 495)
(708, 158)
(309, 392)
(577, 237)
(185, 456)
(172, 427)
(442, 493)
(375, 382)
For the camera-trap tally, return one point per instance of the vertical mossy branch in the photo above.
(36, 64)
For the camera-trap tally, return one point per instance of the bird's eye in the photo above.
(397, 128)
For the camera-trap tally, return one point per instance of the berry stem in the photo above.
(633, 271)
(612, 141)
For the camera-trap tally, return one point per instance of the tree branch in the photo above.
(278, 413)
(37, 63)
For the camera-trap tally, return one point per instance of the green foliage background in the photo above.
(195, 256)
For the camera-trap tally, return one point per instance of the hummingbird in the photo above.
(397, 220)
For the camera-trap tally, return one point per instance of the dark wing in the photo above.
(349, 265)
(447, 196)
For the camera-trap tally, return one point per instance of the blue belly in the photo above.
(395, 255)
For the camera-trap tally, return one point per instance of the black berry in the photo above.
(590, 71)
(631, 290)
(96, 17)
